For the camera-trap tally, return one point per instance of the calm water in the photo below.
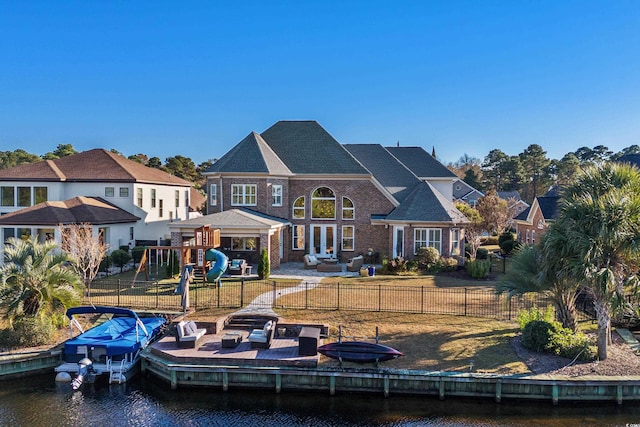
(38, 401)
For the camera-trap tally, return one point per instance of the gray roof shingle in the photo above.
(251, 155)
(305, 147)
(421, 163)
(392, 174)
(424, 204)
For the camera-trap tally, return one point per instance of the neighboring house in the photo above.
(127, 202)
(532, 223)
(516, 204)
(463, 192)
(300, 191)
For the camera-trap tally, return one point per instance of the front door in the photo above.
(323, 238)
(398, 241)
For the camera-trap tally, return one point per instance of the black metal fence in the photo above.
(474, 302)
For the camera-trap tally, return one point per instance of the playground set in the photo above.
(198, 258)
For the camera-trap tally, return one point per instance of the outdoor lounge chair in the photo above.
(188, 335)
(355, 263)
(310, 262)
(261, 338)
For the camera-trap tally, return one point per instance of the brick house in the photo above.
(299, 191)
(532, 223)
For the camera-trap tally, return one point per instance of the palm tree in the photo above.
(600, 217)
(526, 274)
(36, 279)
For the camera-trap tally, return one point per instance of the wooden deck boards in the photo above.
(283, 352)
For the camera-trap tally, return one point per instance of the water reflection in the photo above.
(38, 401)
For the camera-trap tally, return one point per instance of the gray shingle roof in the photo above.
(252, 155)
(90, 166)
(233, 218)
(421, 163)
(424, 204)
(392, 174)
(305, 147)
(92, 210)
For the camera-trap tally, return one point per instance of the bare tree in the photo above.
(474, 230)
(495, 212)
(84, 248)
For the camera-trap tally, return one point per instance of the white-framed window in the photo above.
(153, 198)
(455, 241)
(109, 191)
(40, 194)
(323, 203)
(24, 196)
(186, 198)
(243, 244)
(124, 191)
(139, 196)
(297, 237)
(527, 241)
(161, 208)
(298, 208)
(348, 237)
(131, 235)
(8, 196)
(177, 195)
(276, 195)
(427, 237)
(213, 194)
(243, 195)
(540, 223)
(348, 210)
(533, 237)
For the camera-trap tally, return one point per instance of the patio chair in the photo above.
(355, 263)
(310, 262)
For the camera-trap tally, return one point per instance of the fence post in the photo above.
(118, 292)
(218, 292)
(242, 292)
(306, 295)
(275, 293)
(422, 299)
(338, 296)
(465, 301)
(157, 294)
(379, 297)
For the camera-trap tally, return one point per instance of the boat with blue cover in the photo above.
(110, 349)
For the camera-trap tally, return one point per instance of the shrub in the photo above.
(449, 264)
(396, 266)
(32, 331)
(535, 313)
(482, 253)
(565, 343)
(120, 258)
(478, 268)
(264, 268)
(427, 257)
(536, 335)
(105, 263)
(413, 265)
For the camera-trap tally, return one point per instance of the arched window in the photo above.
(348, 211)
(298, 208)
(323, 203)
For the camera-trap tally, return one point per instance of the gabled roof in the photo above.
(96, 165)
(305, 147)
(392, 174)
(548, 206)
(92, 210)
(463, 191)
(424, 204)
(252, 155)
(233, 219)
(509, 195)
(421, 163)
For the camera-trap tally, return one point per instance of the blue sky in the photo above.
(194, 78)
